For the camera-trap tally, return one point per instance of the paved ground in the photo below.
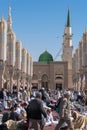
(53, 127)
(49, 127)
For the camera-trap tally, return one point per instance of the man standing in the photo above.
(35, 111)
(65, 112)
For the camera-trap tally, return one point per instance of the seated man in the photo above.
(15, 125)
(50, 119)
(80, 121)
(11, 115)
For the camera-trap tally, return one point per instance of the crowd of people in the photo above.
(34, 109)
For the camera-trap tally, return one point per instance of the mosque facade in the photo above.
(52, 74)
(17, 67)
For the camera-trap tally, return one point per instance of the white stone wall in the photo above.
(24, 60)
(18, 54)
(11, 38)
(3, 30)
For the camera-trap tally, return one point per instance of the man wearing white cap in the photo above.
(65, 112)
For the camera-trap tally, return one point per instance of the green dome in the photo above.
(45, 57)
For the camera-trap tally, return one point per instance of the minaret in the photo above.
(9, 20)
(3, 31)
(11, 38)
(68, 48)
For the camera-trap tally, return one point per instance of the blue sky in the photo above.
(39, 24)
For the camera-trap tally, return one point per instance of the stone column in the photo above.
(30, 82)
(18, 76)
(2, 67)
(11, 73)
(86, 77)
(23, 78)
(27, 80)
(1, 79)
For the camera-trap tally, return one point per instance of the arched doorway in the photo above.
(35, 81)
(44, 81)
(59, 83)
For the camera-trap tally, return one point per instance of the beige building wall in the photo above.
(57, 73)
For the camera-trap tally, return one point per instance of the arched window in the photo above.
(44, 78)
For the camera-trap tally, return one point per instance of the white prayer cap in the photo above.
(67, 93)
